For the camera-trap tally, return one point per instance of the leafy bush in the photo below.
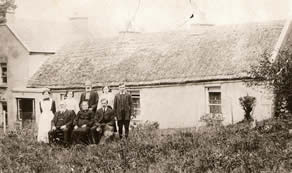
(212, 120)
(277, 76)
(235, 148)
(247, 103)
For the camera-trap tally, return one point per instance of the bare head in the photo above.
(62, 106)
(104, 102)
(84, 105)
(122, 87)
(88, 86)
(70, 94)
(105, 89)
(46, 93)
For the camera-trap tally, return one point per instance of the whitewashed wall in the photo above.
(182, 106)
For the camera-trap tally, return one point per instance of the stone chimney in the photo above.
(79, 26)
(130, 28)
(199, 24)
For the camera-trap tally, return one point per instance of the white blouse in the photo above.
(72, 104)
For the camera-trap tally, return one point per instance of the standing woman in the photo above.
(71, 103)
(48, 109)
(106, 94)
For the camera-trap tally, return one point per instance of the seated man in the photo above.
(103, 123)
(82, 124)
(62, 125)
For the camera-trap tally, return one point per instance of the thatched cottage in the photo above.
(174, 77)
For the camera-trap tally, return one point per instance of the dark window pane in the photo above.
(4, 72)
(214, 97)
(215, 109)
(135, 101)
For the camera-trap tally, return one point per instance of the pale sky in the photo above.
(111, 16)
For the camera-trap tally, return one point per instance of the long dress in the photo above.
(44, 125)
(72, 104)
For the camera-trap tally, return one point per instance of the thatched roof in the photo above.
(219, 53)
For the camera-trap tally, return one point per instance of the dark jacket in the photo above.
(127, 106)
(65, 118)
(84, 117)
(92, 101)
(53, 107)
(107, 117)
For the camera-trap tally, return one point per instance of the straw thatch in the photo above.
(218, 53)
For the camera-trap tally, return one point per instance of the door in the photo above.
(25, 110)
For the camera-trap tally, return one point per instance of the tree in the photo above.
(5, 6)
(277, 76)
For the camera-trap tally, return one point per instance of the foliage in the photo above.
(5, 6)
(277, 76)
(212, 119)
(235, 148)
(247, 103)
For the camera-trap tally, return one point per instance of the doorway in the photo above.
(25, 110)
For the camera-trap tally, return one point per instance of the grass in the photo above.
(236, 148)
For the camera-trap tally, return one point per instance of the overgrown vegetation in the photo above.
(275, 75)
(5, 6)
(234, 148)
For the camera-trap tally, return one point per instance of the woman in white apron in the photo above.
(48, 109)
(71, 102)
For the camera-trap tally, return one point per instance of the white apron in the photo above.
(45, 119)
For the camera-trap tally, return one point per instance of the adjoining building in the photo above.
(24, 46)
(174, 77)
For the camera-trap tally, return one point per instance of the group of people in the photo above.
(90, 121)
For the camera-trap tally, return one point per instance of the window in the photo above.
(4, 107)
(25, 109)
(135, 101)
(214, 100)
(4, 72)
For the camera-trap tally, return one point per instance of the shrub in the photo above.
(277, 76)
(247, 103)
(212, 120)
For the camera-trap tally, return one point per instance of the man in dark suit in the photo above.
(103, 123)
(123, 109)
(82, 124)
(62, 126)
(90, 96)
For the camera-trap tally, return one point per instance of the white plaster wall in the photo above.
(173, 106)
(230, 103)
(182, 106)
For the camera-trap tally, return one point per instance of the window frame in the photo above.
(18, 108)
(135, 94)
(4, 72)
(213, 89)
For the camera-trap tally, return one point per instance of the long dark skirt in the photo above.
(81, 136)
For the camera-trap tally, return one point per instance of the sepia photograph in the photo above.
(145, 86)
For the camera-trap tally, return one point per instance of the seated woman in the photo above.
(62, 126)
(103, 123)
(82, 124)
